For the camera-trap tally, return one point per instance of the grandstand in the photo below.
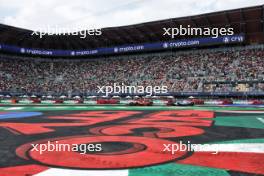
(222, 68)
(217, 71)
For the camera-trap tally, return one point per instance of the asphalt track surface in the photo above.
(132, 140)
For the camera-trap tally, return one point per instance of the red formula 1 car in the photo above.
(141, 103)
(107, 101)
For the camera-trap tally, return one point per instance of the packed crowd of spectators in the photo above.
(202, 71)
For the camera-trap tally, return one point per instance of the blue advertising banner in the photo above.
(128, 48)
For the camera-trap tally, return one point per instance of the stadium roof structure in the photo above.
(248, 21)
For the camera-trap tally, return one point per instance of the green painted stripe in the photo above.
(119, 107)
(240, 121)
(173, 169)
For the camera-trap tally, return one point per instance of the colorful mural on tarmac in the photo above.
(136, 141)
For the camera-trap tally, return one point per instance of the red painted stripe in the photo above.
(24, 170)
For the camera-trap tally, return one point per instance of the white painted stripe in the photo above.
(60, 107)
(261, 119)
(71, 172)
(80, 107)
(41, 107)
(15, 108)
(99, 107)
(121, 107)
(245, 148)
